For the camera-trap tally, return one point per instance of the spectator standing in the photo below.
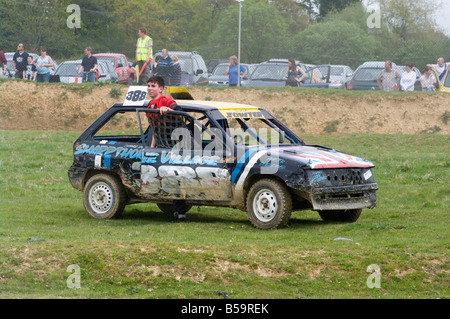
(427, 80)
(293, 73)
(175, 80)
(232, 71)
(144, 53)
(20, 61)
(30, 70)
(43, 64)
(165, 66)
(440, 68)
(3, 62)
(388, 78)
(89, 66)
(408, 78)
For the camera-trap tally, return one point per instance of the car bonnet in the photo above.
(316, 157)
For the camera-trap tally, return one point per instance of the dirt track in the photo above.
(27, 106)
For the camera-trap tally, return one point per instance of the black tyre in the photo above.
(345, 216)
(168, 208)
(269, 204)
(104, 197)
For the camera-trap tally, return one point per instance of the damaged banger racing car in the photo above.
(215, 154)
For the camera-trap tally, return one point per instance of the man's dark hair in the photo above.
(143, 30)
(410, 64)
(156, 79)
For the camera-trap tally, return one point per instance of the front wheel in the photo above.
(269, 204)
(104, 197)
(345, 215)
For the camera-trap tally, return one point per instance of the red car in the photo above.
(125, 73)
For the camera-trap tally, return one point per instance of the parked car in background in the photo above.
(365, 76)
(67, 72)
(269, 73)
(340, 75)
(220, 78)
(112, 72)
(317, 77)
(193, 67)
(213, 63)
(125, 73)
(272, 73)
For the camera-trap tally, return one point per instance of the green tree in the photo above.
(407, 18)
(295, 13)
(263, 33)
(327, 6)
(335, 42)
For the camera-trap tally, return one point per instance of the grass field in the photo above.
(144, 256)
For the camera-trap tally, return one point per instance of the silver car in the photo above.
(340, 75)
(68, 72)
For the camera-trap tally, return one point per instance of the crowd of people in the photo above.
(27, 68)
(169, 68)
(391, 79)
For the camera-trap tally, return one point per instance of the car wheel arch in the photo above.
(251, 180)
(92, 172)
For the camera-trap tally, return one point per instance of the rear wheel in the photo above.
(269, 204)
(345, 215)
(104, 197)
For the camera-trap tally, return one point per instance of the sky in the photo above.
(443, 17)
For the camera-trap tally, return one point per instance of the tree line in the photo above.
(312, 31)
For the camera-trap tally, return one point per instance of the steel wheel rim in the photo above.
(101, 198)
(265, 205)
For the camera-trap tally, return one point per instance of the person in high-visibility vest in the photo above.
(144, 52)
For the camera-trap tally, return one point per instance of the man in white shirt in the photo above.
(440, 67)
(408, 78)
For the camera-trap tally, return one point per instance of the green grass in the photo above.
(144, 256)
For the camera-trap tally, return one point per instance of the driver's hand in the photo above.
(163, 110)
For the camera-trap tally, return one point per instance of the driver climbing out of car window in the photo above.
(162, 131)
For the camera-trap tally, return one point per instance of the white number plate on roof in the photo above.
(135, 96)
